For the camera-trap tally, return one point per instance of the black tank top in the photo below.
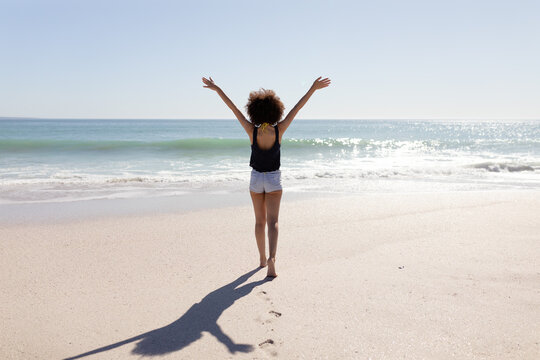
(265, 160)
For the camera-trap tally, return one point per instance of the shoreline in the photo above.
(95, 209)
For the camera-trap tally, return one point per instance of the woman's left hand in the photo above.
(209, 83)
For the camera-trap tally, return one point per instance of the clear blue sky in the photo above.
(387, 59)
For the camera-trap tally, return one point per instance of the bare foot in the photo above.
(271, 268)
(263, 262)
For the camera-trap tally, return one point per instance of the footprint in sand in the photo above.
(267, 345)
(266, 342)
(263, 295)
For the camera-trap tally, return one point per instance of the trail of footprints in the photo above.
(268, 344)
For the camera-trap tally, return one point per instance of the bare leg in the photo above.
(260, 223)
(273, 199)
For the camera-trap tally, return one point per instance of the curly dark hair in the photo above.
(264, 106)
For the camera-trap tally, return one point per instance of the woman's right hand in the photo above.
(209, 83)
(320, 83)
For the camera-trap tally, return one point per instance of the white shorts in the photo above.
(265, 182)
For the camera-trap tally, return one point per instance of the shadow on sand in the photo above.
(188, 328)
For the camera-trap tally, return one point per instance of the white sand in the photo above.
(413, 276)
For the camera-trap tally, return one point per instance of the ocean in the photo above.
(48, 160)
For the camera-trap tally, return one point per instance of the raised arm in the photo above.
(319, 83)
(209, 83)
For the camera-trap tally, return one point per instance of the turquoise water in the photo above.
(58, 160)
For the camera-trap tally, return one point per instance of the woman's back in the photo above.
(265, 149)
(265, 138)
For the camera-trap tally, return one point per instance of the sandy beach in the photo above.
(381, 276)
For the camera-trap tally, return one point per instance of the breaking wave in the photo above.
(509, 167)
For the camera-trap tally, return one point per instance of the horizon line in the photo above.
(298, 119)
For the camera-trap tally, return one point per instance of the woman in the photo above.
(265, 131)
